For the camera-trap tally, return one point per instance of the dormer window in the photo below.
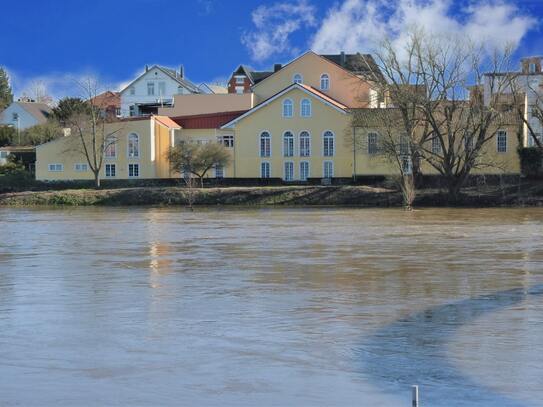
(325, 82)
(297, 78)
(531, 68)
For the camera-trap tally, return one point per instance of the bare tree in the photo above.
(92, 133)
(429, 82)
(381, 133)
(197, 159)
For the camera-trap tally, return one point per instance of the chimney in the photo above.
(277, 67)
(181, 71)
(146, 68)
(342, 59)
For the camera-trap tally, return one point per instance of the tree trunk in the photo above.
(97, 179)
(202, 181)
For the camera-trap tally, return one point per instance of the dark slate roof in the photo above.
(254, 76)
(358, 64)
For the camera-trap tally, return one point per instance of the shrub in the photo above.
(41, 133)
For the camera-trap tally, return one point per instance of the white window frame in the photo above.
(309, 106)
(308, 170)
(4, 154)
(220, 172)
(532, 67)
(504, 133)
(114, 145)
(300, 138)
(110, 166)
(436, 145)
(150, 88)
(161, 88)
(324, 76)
(297, 78)
(227, 140)
(292, 142)
(55, 167)
(81, 167)
(324, 144)
(269, 137)
(375, 143)
(268, 164)
(132, 166)
(130, 154)
(239, 79)
(291, 165)
(324, 168)
(240, 89)
(283, 108)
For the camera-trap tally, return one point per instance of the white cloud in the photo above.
(57, 85)
(358, 25)
(273, 27)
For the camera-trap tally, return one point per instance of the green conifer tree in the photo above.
(6, 95)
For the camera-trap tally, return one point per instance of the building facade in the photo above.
(153, 89)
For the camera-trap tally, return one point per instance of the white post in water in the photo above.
(415, 393)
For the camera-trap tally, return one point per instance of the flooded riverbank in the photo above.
(346, 307)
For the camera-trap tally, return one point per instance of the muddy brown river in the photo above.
(271, 307)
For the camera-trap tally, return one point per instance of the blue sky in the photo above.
(52, 41)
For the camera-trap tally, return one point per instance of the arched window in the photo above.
(265, 144)
(328, 144)
(297, 78)
(133, 146)
(305, 108)
(287, 108)
(110, 147)
(325, 82)
(288, 144)
(305, 144)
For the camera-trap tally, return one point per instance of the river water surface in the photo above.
(271, 307)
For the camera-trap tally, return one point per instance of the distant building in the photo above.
(529, 84)
(244, 77)
(109, 103)
(154, 88)
(22, 115)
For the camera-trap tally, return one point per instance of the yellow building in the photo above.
(299, 126)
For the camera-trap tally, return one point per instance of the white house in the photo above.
(22, 115)
(153, 89)
(529, 82)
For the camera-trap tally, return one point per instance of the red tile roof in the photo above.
(206, 121)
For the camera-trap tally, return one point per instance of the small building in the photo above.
(244, 77)
(24, 154)
(22, 115)
(153, 89)
(109, 103)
